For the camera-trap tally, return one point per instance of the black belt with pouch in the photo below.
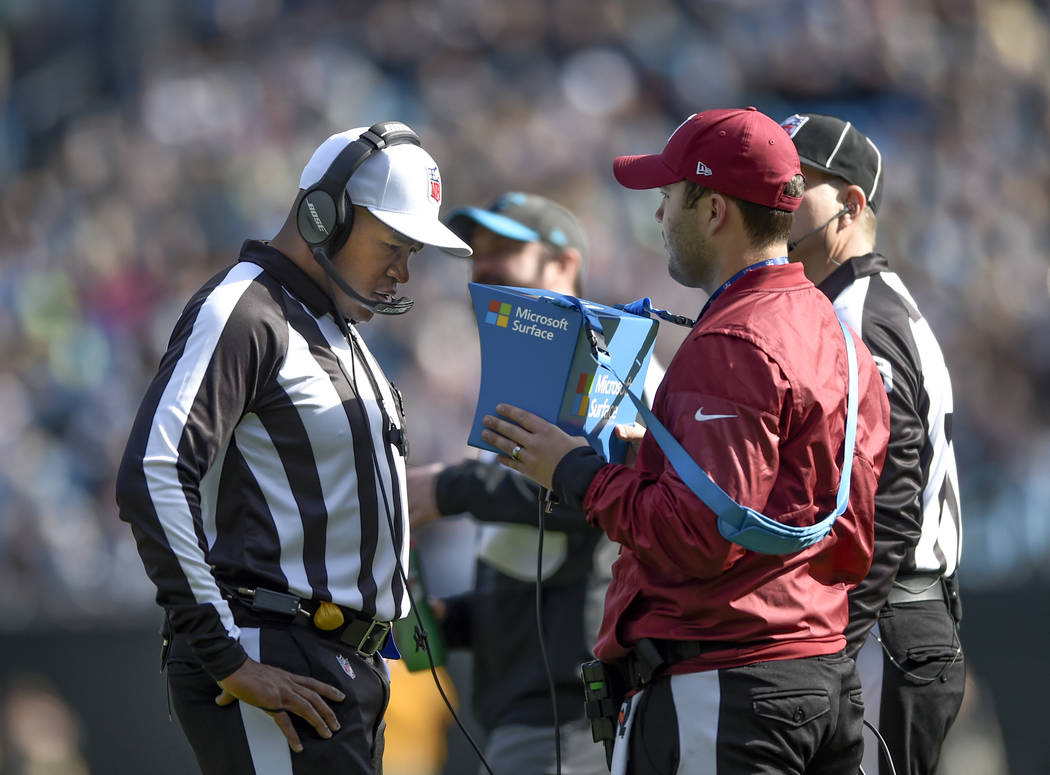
(265, 606)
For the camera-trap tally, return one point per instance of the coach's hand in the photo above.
(633, 435)
(532, 445)
(279, 693)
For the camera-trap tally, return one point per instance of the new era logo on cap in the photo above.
(703, 169)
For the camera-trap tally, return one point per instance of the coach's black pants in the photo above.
(788, 716)
(239, 739)
(913, 685)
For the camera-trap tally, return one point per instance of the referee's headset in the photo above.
(851, 207)
(326, 215)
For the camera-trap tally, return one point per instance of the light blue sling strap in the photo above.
(743, 525)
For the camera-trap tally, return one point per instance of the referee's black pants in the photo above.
(913, 673)
(240, 739)
(782, 717)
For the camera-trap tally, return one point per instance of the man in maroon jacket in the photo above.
(734, 658)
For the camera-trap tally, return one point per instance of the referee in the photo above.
(904, 615)
(264, 474)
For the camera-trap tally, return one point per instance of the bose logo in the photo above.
(317, 218)
(703, 169)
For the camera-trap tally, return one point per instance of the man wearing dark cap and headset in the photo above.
(522, 240)
(904, 615)
(730, 640)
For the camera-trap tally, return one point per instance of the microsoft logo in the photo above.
(583, 387)
(498, 314)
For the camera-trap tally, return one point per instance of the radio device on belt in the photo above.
(605, 687)
(603, 693)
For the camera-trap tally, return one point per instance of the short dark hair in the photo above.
(694, 192)
(763, 225)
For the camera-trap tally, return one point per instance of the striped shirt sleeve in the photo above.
(220, 352)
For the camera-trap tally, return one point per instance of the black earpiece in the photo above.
(326, 214)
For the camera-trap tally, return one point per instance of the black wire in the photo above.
(543, 645)
(423, 637)
(883, 746)
(918, 679)
(421, 631)
(943, 672)
(921, 680)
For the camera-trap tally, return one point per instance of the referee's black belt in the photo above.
(917, 587)
(367, 636)
(259, 607)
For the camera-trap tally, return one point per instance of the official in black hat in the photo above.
(904, 615)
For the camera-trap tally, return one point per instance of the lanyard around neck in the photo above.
(767, 262)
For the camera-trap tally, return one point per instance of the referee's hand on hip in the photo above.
(279, 693)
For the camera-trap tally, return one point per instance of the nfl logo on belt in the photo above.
(435, 184)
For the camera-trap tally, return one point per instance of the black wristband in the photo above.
(573, 475)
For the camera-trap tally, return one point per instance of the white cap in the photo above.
(400, 185)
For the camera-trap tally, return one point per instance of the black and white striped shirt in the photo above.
(918, 527)
(268, 451)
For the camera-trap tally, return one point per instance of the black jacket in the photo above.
(497, 619)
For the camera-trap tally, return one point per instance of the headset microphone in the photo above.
(398, 306)
(325, 215)
(847, 209)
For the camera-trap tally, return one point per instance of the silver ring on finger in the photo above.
(514, 452)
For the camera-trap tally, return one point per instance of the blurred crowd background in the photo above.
(142, 142)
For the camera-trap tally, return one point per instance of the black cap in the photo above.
(838, 148)
(524, 217)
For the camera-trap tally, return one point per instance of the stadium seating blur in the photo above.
(141, 143)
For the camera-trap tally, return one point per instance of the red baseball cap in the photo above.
(742, 153)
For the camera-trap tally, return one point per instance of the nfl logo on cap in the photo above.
(435, 184)
(793, 124)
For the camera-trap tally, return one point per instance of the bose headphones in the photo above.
(326, 215)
